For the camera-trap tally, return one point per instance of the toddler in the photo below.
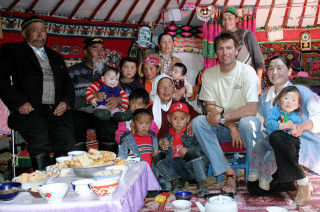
(108, 84)
(184, 158)
(140, 142)
(138, 99)
(178, 74)
(283, 116)
(129, 79)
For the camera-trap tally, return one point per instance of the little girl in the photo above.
(108, 84)
(282, 117)
(129, 79)
(149, 70)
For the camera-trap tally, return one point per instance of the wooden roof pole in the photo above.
(146, 11)
(12, 5)
(164, 8)
(317, 15)
(193, 12)
(269, 15)
(242, 3)
(76, 9)
(257, 3)
(182, 5)
(32, 6)
(97, 9)
(56, 7)
(303, 12)
(226, 3)
(130, 11)
(285, 18)
(112, 10)
(214, 3)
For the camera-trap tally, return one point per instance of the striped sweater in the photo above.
(99, 86)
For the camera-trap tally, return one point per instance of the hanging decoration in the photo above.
(205, 13)
(144, 40)
(275, 33)
(189, 6)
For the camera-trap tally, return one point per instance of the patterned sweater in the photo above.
(99, 86)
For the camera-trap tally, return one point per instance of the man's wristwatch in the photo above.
(222, 120)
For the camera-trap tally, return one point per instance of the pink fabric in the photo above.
(122, 129)
(128, 197)
(4, 113)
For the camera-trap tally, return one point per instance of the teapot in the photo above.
(218, 203)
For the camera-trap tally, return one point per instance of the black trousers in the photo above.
(105, 130)
(286, 150)
(48, 133)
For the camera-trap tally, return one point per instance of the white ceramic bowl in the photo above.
(27, 185)
(82, 187)
(74, 153)
(99, 175)
(276, 209)
(54, 192)
(181, 204)
(86, 172)
(63, 158)
(124, 169)
(104, 188)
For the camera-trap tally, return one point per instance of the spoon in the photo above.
(21, 189)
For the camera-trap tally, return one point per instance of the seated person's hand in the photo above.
(235, 135)
(287, 125)
(178, 94)
(60, 109)
(113, 102)
(99, 96)
(188, 95)
(25, 109)
(164, 144)
(94, 103)
(189, 129)
(297, 130)
(183, 151)
(155, 152)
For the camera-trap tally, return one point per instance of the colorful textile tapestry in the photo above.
(188, 45)
(66, 38)
(184, 31)
(311, 64)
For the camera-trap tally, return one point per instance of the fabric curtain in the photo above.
(247, 20)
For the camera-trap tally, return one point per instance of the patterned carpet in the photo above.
(246, 202)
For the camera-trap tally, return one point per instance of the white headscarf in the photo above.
(157, 106)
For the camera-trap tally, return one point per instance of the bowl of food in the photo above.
(54, 192)
(34, 191)
(63, 158)
(185, 195)
(7, 192)
(108, 173)
(75, 153)
(123, 167)
(82, 187)
(104, 188)
(86, 172)
(30, 180)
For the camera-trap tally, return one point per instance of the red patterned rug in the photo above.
(246, 202)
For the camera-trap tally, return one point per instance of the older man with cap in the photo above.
(36, 87)
(249, 49)
(84, 74)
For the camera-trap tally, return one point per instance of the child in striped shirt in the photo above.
(109, 85)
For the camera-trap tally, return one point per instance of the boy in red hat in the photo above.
(184, 160)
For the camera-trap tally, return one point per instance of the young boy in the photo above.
(178, 74)
(108, 84)
(184, 158)
(140, 141)
(138, 99)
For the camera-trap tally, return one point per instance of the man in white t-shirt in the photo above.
(230, 95)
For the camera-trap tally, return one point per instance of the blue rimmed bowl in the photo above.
(6, 191)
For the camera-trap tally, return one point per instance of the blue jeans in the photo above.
(209, 138)
(190, 167)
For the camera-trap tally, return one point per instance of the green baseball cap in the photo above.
(230, 10)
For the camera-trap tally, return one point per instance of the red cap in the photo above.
(178, 106)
